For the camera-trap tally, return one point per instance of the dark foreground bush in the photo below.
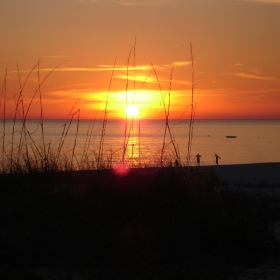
(155, 224)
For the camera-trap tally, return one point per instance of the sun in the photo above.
(132, 111)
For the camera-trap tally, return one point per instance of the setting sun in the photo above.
(132, 111)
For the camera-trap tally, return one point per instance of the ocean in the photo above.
(257, 141)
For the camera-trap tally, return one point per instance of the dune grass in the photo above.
(139, 224)
(22, 152)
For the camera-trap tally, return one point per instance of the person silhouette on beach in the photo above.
(198, 159)
(217, 159)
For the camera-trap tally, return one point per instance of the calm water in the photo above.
(256, 141)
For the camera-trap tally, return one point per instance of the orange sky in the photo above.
(235, 46)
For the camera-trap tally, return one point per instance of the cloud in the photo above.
(250, 76)
(83, 1)
(263, 1)
(139, 78)
(104, 67)
(131, 3)
(98, 68)
(55, 56)
(181, 63)
(75, 69)
(134, 3)
(178, 64)
(70, 69)
(237, 64)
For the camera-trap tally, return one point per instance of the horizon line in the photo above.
(148, 119)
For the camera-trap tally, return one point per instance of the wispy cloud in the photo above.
(77, 69)
(237, 64)
(251, 76)
(151, 80)
(134, 3)
(138, 78)
(137, 3)
(178, 64)
(141, 73)
(70, 69)
(181, 63)
(104, 67)
(262, 1)
(55, 56)
(83, 1)
(98, 68)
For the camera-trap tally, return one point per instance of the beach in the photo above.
(201, 222)
(267, 174)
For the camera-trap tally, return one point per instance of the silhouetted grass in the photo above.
(138, 224)
(21, 152)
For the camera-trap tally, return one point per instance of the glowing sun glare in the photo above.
(132, 111)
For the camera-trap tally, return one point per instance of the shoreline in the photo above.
(245, 174)
(250, 174)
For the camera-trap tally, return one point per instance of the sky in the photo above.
(86, 56)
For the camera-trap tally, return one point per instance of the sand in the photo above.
(243, 178)
(249, 174)
(239, 177)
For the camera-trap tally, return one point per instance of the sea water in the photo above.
(150, 141)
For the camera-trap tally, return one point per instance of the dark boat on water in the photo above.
(230, 136)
